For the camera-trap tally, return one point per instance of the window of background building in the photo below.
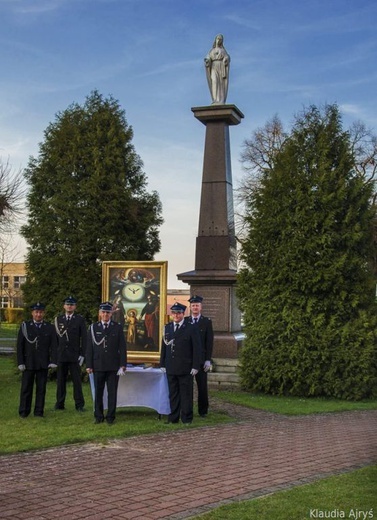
(18, 281)
(5, 282)
(4, 301)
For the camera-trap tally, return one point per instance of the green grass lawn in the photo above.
(293, 405)
(8, 330)
(68, 426)
(351, 495)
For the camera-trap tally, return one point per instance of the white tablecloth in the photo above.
(141, 387)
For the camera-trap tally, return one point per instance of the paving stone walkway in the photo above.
(181, 473)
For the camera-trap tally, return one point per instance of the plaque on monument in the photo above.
(216, 306)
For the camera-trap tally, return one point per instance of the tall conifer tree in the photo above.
(307, 288)
(88, 202)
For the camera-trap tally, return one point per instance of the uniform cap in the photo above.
(178, 307)
(196, 299)
(38, 306)
(106, 306)
(70, 300)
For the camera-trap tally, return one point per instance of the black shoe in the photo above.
(80, 409)
(171, 422)
(59, 407)
(40, 415)
(203, 415)
(98, 421)
(110, 421)
(23, 416)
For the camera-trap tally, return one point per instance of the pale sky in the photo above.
(148, 54)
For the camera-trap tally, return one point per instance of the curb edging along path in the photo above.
(181, 473)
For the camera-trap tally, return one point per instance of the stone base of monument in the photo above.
(227, 344)
(224, 375)
(218, 290)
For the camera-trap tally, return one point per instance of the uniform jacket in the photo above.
(181, 351)
(106, 350)
(206, 335)
(71, 337)
(36, 347)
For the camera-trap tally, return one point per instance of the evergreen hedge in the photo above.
(307, 290)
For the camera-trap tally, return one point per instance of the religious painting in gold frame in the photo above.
(138, 292)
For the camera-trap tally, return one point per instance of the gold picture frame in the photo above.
(138, 292)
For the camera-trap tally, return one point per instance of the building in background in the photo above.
(178, 295)
(13, 275)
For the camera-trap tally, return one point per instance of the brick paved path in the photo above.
(181, 473)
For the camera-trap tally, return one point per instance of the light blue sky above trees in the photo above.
(148, 54)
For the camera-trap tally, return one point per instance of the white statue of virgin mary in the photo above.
(217, 63)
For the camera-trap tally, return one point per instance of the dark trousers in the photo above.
(111, 379)
(201, 382)
(61, 388)
(181, 398)
(26, 396)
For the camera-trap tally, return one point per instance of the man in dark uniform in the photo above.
(206, 335)
(180, 358)
(36, 353)
(106, 359)
(71, 333)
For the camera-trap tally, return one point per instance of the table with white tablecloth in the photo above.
(146, 387)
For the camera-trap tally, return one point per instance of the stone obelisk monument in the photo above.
(214, 276)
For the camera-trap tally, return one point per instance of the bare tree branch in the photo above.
(260, 150)
(364, 147)
(12, 193)
(257, 158)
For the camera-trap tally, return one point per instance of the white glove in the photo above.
(163, 369)
(52, 365)
(121, 372)
(193, 372)
(207, 366)
(81, 360)
(21, 367)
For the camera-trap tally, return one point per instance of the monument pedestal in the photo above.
(214, 276)
(218, 290)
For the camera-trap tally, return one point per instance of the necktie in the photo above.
(195, 320)
(105, 325)
(176, 327)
